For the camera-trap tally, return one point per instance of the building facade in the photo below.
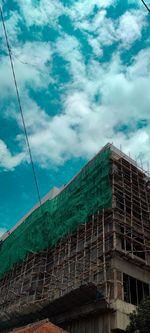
(98, 271)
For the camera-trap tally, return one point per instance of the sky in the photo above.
(83, 73)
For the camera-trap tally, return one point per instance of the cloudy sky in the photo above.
(83, 72)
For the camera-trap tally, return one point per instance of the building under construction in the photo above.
(83, 258)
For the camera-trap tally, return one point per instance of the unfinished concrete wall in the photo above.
(100, 323)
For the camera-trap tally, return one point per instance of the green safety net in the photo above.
(89, 192)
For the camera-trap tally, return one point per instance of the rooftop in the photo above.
(43, 326)
(55, 190)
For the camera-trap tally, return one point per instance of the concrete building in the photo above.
(83, 261)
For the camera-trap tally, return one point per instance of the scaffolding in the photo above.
(79, 259)
(85, 194)
(84, 257)
(131, 208)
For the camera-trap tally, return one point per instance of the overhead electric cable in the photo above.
(146, 6)
(20, 106)
(14, 55)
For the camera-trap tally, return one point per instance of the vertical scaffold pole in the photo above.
(104, 257)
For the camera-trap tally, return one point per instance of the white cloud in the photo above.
(82, 9)
(139, 3)
(34, 53)
(69, 48)
(31, 68)
(46, 12)
(141, 66)
(7, 160)
(124, 30)
(130, 27)
(103, 28)
(12, 28)
(96, 47)
(85, 125)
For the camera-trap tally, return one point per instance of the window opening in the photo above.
(134, 290)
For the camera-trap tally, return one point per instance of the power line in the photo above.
(17, 57)
(146, 6)
(20, 106)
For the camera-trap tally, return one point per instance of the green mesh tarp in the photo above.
(87, 193)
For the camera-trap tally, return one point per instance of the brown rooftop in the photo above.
(43, 326)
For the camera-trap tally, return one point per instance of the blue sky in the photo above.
(83, 72)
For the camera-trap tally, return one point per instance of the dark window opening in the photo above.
(134, 290)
